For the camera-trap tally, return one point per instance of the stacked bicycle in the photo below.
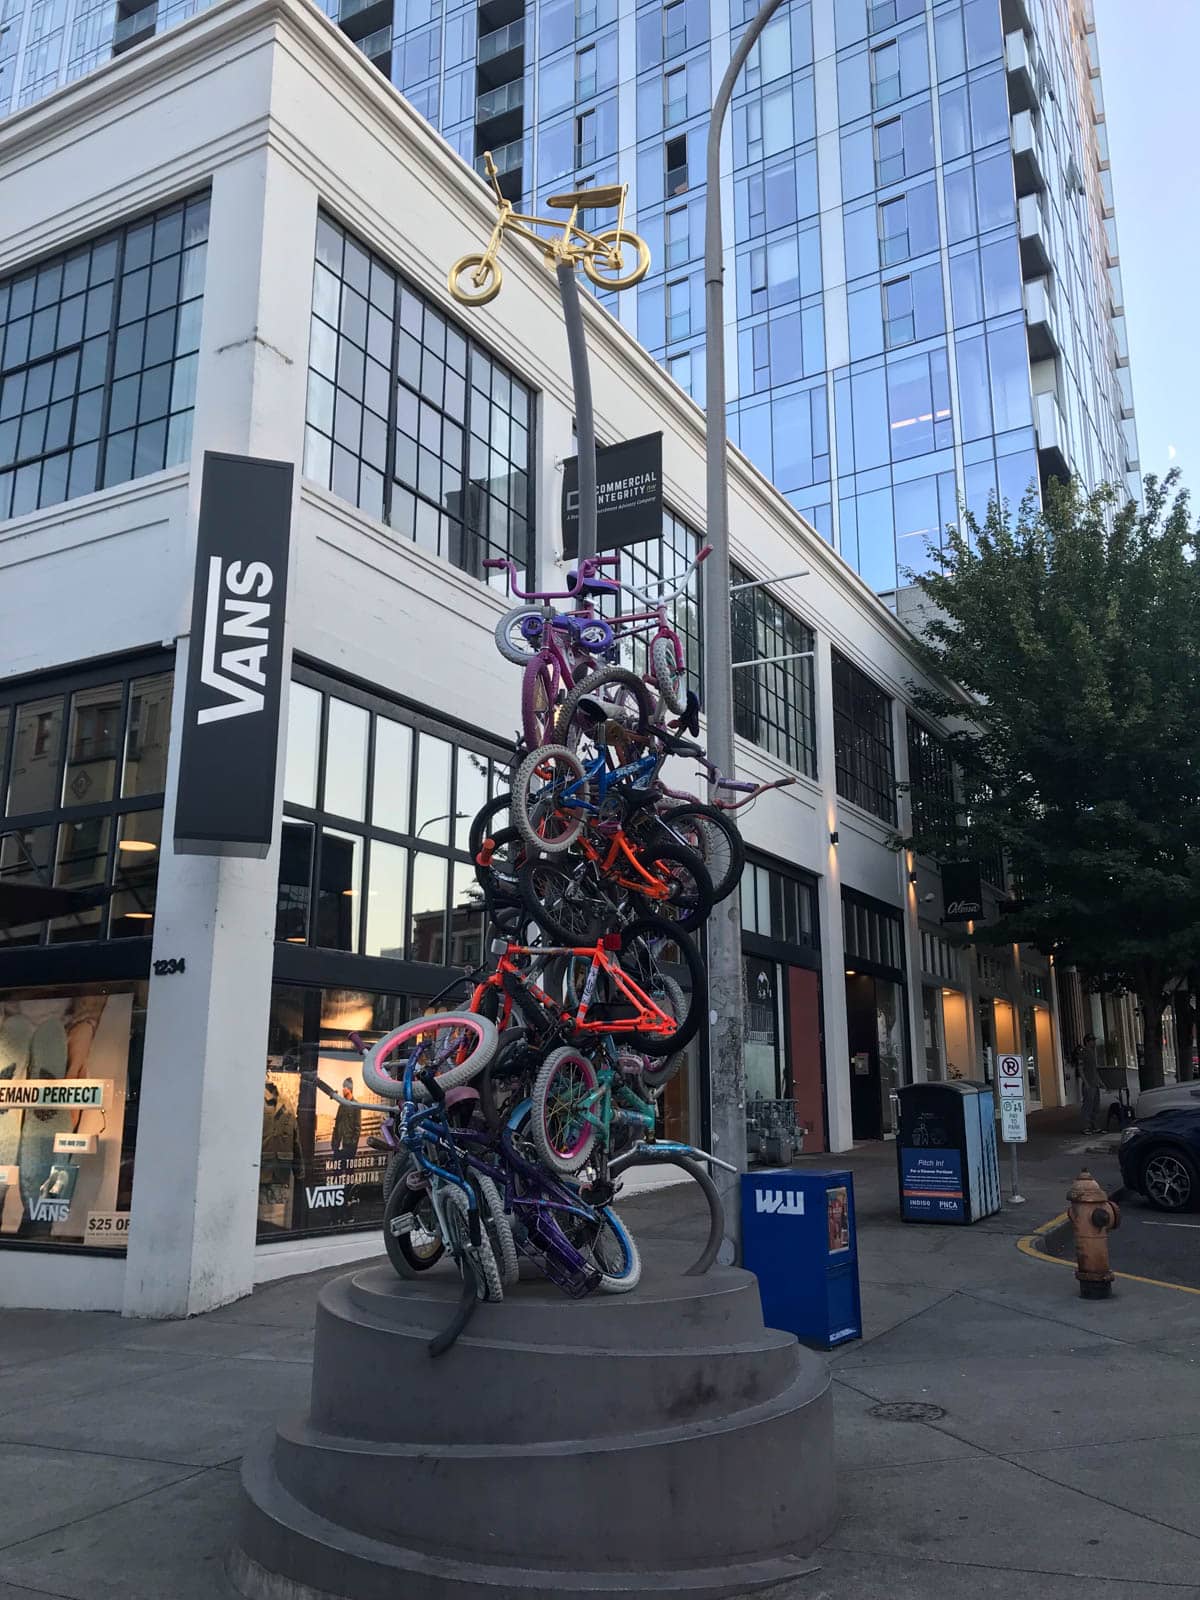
(512, 1118)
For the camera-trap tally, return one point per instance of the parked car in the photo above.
(1169, 1097)
(1160, 1158)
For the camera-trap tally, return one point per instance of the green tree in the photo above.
(1074, 630)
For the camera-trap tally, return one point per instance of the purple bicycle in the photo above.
(556, 649)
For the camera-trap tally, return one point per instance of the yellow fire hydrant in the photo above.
(1093, 1217)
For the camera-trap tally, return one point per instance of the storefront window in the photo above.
(323, 1159)
(399, 799)
(82, 774)
(70, 1069)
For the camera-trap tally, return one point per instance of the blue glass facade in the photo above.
(923, 295)
(923, 299)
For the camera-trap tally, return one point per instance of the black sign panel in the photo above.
(226, 799)
(962, 891)
(629, 495)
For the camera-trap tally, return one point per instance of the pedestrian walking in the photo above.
(1089, 1076)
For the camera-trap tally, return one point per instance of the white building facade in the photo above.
(237, 241)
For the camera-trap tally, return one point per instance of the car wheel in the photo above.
(1169, 1179)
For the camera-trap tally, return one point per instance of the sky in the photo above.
(1148, 55)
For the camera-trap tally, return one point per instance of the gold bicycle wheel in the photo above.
(608, 264)
(475, 279)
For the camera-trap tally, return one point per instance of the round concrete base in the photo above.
(662, 1442)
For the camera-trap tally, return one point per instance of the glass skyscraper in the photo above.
(923, 293)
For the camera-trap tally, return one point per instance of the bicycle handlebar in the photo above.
(587, 569)
(666, 596)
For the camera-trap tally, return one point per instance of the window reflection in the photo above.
(432, 820)
(339, 893)
(385, 900)
(393, 770)
(471, 793)
(37, 739)
(295, 882)
(303, 745)
(93, 745)
(428, 907)
(82, 864)
(346, 760)
(25, 858)
(135, 875)
(147, 736)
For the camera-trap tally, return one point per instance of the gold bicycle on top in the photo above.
(613, 259)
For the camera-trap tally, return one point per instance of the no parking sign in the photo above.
(1010, 1073)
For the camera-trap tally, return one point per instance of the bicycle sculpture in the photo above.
(511, 1117)
(612, 259)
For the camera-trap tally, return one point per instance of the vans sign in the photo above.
(236, 670)
(237, 638)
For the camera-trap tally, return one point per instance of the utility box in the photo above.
(948, 1167)
(799, 1240)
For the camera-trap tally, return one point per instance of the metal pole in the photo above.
(585, 424)
(1016, 1198)
(726, 1032)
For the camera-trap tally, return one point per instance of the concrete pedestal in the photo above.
(662, 1442)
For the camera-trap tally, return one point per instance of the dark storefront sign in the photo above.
(962, 891)
(629, 495)
(226, 803)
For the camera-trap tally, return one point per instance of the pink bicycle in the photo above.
(556, 649)
(664, 651)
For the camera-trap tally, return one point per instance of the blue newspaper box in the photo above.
(800, 1242)
(949, 1170)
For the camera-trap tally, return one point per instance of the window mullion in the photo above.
(111, 360)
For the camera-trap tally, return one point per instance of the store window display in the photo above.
(323, 1158)
(70, 1061)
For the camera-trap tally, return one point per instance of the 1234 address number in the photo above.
(166, 969)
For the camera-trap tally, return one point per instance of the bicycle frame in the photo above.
(650, 1018)
(564, 247)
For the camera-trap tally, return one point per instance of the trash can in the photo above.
(800, 1242)
(949, 1170)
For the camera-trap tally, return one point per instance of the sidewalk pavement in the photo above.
(996, 1434)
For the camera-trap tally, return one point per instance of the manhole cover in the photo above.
(907, 1411)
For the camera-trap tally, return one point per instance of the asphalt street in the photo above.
(1150, 1243)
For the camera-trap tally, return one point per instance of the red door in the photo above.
(804, 1053)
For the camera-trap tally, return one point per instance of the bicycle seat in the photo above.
(678, 747)
(606, 196)
(600, 586)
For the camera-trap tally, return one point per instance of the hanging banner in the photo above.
(226, 798)
(962, 891)
(629, 495)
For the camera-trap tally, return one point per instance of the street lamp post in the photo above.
(727, 1069)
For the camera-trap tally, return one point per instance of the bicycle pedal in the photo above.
(401, 1225)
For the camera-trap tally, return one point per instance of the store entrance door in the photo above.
(866, 1110)
(875, 1029)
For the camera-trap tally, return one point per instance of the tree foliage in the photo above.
(1074, 628)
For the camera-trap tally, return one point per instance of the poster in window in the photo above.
(64, 1064)
(837, 1216)
(320, 1167)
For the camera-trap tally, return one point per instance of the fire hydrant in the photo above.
(1093, 1216)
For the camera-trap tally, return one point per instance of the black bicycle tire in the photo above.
(737, 845)
(479, 829)
(650, 1044)
(700, 875)
(597, 680)
(701, 1174)
(495, 891)
(547, 920)
(401, 1263)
